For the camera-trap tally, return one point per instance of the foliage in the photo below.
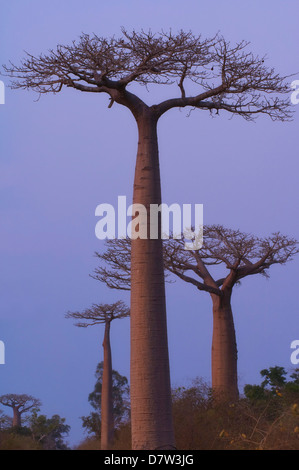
(49, 432)
(41, 433)
(275, 384)
(5, 421)
(265, 418)
(120, 392)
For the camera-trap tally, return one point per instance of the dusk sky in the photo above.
(62, 155)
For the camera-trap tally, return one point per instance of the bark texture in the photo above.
(224, 350)
(107, 421)
(16, 420)
(151, 410)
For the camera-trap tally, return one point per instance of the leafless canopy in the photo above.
(115, 264)
(100, 313)
(225, 76)
(22, 402)
(239, 253)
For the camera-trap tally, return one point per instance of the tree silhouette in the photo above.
(239, 253)
(218, 76)
(20, 404)
(104, 314)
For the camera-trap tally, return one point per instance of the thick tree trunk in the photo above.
(224, 350)
(107, 421)
(16, 420)
(151, 410)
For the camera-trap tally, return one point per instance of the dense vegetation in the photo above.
(266, 417)
(38, 433)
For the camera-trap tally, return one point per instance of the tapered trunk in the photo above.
(16, 420)
(151, 411)
(107, 421)
(224, 350)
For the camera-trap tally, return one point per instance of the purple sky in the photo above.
(62, 156)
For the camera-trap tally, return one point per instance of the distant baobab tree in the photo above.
(97, 314)
(239, 253)
(211, 75)
(20, 404)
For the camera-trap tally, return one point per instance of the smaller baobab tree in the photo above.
(240, 254)
(20, 404)
(104, 314)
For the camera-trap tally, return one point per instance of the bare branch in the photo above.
(22, 402)
(227, 77)
(239, 253)
(115, 264)
(100, 313)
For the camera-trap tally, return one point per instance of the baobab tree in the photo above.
(211, 75)
(104, 314)
(20, 404)
(239, 253)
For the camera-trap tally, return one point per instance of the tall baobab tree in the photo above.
(104, 314)
(20, 404)
(212, 75)
(239, 253)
